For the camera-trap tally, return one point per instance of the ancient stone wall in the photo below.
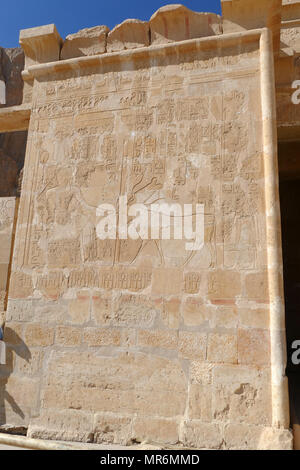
(122, 340)
(134, 340)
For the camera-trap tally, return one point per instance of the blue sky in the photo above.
(72, 15)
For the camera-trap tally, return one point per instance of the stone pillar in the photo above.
(280, 398)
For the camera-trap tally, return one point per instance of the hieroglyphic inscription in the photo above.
(146, 135)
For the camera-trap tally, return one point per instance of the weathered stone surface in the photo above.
(130, 34)
(95, 337)
(79, 308)
(200, 402)
(68, 336)
(242, 394)
(13, 333)
(245, 437)
(143, 340)
(118, 385)
(158, 431)
(112, 429)
(7, 216)
(41, 44)
(201, 435)
(192, 345)
(24, 391)
(224, 286)
(257, 287)
(250, 15)
(222, 348)
(178, 23)
(158, 339)
(89, 41)
(39, 335)
(68, 425)
(254, 346)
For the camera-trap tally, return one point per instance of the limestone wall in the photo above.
(132, 340)
(120, 341)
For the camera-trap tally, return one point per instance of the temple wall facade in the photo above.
(123, 340)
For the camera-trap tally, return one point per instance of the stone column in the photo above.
(280, 398)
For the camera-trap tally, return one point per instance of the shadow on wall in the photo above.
(15, 347)
(12, 156)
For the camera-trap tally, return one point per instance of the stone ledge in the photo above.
(206, 43)
(15, 118)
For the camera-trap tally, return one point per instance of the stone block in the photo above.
(102, 308)
(20, 286)
(224, 286)
(192, 346)
(200, 402)
(66, 425)
(68, 336)
(13, 333)
(178, 23)
(196, 434)
(38, 335)
(112, 429)
(257, 287)
(130, 34)
(89, 41)
(222, 348)
(158, 339)
(258, 318)
(20, 311)
(201, 373)
(79, 308)
(242, 394)
(23, 393)
(245, 437)
(96, 337)
(195, 313)
(154, 430)
(31, 365)
(254, 346)
(166, 282)
(171, 312)
(41, 44)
